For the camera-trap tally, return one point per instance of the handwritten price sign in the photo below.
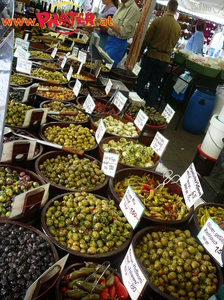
(120, 101)
(108, 86)
(109, 164)
(141, 119)
(89, 104)
(69, 74)
(168, 113)
(159, 143)
(136, 69)
(100, 131)
(23, 66)
(77, 87)
(63, 62)
(75, 51)
(54, 52)
(82, 57)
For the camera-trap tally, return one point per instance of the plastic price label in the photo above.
(191, 186)
(212, 238)
(54, 52)
(159, 143)
(21, 53)
(100, 132)
(69, 74)
(82, 57)
(132, 207)
(136, 69)
(23, 66)
(26, 36)
(168, 113)
(77, 87)
(75, 51)
(63, 62)
(22, 43)
(109, 163)
(141, 119)
(108, 86)
(120, 101)
(89, 104)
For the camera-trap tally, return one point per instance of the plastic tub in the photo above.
(203, 163)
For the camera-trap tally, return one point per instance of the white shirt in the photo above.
(217, 42)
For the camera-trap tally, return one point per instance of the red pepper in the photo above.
(67, 278)
(147, 187)
(104, 295)
(63, 289)
(153, 181)
(116, 279)
(122, 291)
(112, 292)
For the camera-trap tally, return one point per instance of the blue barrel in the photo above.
(198, 111)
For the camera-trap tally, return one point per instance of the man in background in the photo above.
(216, 44)
(160, 38)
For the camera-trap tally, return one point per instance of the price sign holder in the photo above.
(141, 119)
(89, 104)
(23, 66)
(120, 100)
(212, 238)
(159, 143)
(191, 186)
(63, 62)
(109, 163)
(77, 87)
(132, 207)
(69, 74)
(132, 276)
(75, 51)
(24, 44)
(100, 132)
(54, 52)
(22, 148)
(168, 113)
(136, 69)
(108, 86)
(82, 57)
(21, 53)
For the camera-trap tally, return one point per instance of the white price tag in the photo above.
(72, 45)
(212, 238)
(54, 52)
(159, 143)
(77, 87)
(141, 119)
(82, 56)
(168, 113)
(24, 44)
(132, 207)
(89, 104)
(21, 53)
(100, 131)
(26, 36)
(98, 73)
(63, 62)
(109, 66)
(120, 101)
(136, 69)
(75, 51)
(23, 66)
(108, 86)
(191, 186)
(132, 276)
(85, 38)
(69, 74)
(109, 163)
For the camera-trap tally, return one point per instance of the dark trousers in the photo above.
(152, 70)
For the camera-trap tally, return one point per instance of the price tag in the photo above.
(109, 66)
(108, 86)
(132, 276)
(82, 57)
(23, 66)
(98, 73)
(77, 87)
(191, 186)
(109, 163)
(141, 119)
(63, 62)
(132, 207)
(212, 238)
(168, 113)
(72, 45)
(7, 151)
(26, 36)
(69, 74)
(120, 101)
(136, 69)
(89, 104)
(24, 44)
(85, 38)
(100, 131)
(159, 143)
(21, 53)
(54, 52)
(75, 51)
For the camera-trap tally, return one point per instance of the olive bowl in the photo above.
(59, 189)
(54, 95)
(173, 188)
(121, 165)
(64, 125)
(51, 283)
(115, 256)
(22, 84)
(152, 291)
(96, 92)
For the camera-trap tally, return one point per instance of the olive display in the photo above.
(130, 153)
(177, 265)
(60, 47)
(72, 136)
(84, 223)
(25, 255)
(117, 127)
(59, 106)
(52, 65)
(90, 66)
(94, 91)
(19, 80)
(59, 95)
(216, 213)
(155, 118)
(16, 112)
(13, 183)
(49, 75)
(73, 172)
(159, 203)
(16, 94)
(39, 54)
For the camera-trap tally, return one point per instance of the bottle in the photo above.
(38, 7)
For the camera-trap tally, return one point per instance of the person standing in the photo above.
(216, 44)
(122, 28)
(160, 38)
(196, 41)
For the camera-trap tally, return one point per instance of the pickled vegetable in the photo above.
(94, 91)
(16, 113)
(175, 270)
(18, 79)
(16, 94)
(40, 54)
(216, 213)
(159, 203)
(49, 75)
(64, 94)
